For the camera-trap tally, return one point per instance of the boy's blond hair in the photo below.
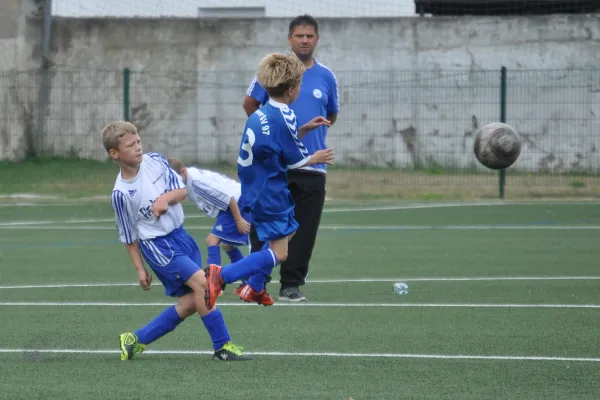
(175, 164)
(278, 72)
(115, 131)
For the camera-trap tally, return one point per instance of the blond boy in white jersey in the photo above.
(146, 201)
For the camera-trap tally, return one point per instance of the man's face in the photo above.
(303, 41)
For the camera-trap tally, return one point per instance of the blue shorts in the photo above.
(226, 229)
(273, 230)
(174, 258)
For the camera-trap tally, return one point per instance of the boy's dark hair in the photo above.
(304, 20)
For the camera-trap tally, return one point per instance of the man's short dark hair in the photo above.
(304, 20)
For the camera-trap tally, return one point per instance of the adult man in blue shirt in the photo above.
(319, 96)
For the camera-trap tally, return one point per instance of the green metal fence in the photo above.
(400, 134)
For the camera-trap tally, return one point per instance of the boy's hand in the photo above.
(323, 157)
(315, 123)
(144, 278)
(243, 226)
(160, 206)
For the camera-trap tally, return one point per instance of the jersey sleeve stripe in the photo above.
(118, 200)
(173, 181)
(251, 87)
(300, 163)
(294, 132)
(337, 91)
(219, 194)
(208, 197)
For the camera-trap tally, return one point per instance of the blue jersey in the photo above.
(319, 96)
(270, 146)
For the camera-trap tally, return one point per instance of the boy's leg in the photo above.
(214, 322)
(183, 277)
(277, 234)
(213, 250)
(135, 342)
(258, 280)
(212, 319)
(218, 276)
(233, 252)
(227, 234)
(235, 255)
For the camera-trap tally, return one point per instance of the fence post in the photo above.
(126, 73)
(502, 172)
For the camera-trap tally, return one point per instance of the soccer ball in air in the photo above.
(497, 145)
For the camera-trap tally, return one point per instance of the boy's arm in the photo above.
(161, 205)
(242, 225)
(144, 278)
(325, 156)
(303, 131)
(175, 196)
(296, 154)
(128, 236)
(235, 210)
(313, 124)
(177, 190)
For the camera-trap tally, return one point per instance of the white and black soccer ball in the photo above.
(497, 145)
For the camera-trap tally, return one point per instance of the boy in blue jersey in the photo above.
(146, 200)
(270, 147)
(319, 96)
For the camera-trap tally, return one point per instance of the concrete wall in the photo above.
(20, 51)
(413, 90)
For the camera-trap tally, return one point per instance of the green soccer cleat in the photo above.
(231, 352)
(130, 346)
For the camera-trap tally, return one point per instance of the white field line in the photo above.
(310, 354)
(327, 281)
(86, 202)
(347, 209)
(341, 209)
(326, 210)
(50, 226)
(306, 305)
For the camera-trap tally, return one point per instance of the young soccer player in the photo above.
(270, 147)
(146, 201)
(217, 196)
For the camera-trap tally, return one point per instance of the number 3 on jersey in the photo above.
(249, 139)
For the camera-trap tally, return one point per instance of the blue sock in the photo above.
(257, 281)
(166, 322)
(215, 325)
(261, 261)
(235, 255)
(214, 255)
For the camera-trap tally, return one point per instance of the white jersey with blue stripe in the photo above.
(132, 201)
(211, 191)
